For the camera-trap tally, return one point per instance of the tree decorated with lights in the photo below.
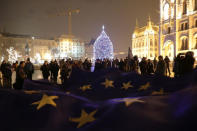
(103, 47)
(12, 55)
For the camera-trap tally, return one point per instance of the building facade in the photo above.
(71, 47)
(178, 27)
(40, 48)
(26, 46)
(145, 40)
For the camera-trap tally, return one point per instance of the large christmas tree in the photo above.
(103, 47)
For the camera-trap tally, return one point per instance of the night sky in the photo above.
(119, 17)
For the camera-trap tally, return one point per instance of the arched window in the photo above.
(182, 44)
(195, 5)
(186, 44)
(184, 7)
(166, 11)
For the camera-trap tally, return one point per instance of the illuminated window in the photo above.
(166, 11)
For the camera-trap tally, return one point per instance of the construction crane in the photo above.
(68, 13)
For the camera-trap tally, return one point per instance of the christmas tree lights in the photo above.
(103, 47)
(12, 55)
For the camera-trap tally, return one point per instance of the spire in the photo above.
(137, 25)
(149, 21)
(149, 18)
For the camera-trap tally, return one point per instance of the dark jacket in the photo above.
(45, 71)
(161, 68)
(20, 77)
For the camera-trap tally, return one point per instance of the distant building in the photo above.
(46, 49)
(178, 27)
(145, 40)
(71, 47)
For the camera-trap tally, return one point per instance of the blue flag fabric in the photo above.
(107, 102)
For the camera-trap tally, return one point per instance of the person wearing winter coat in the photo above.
(150, 66)
(20, 76)
(6, 70)
(143, 66)
(161, 67)
(29, 69)
(45, 70)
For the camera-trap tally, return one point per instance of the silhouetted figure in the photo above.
(143, 66)
(177, 66)
(167, 61)
(6, 70)
(161, 67)
(20, 76)
(55, 70)
(188, 63)
(150, 69)
(65, 70)
(51, 69)
(136, 64)
(98, 65)
(121, 65)
(29, 69)
(45, 70)
(155, 63)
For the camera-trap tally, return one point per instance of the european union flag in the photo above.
(107, 100)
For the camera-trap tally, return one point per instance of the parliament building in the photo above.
(177, 28)
(145, 40)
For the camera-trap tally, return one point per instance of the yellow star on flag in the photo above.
(108, 83)
(84, 118)
(46, 100)
(31, 92)
(129, 101)
(144, 87)
(161, 92)
(126, 86)
(86, 87)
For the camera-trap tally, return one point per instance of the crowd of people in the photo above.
(24, 70)
(182, 64)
